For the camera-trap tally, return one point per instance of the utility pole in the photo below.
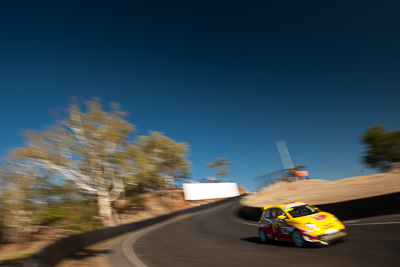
(284, 153)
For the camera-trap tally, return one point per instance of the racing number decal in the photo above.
(276, 227)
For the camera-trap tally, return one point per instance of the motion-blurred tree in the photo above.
(22, 200)
(383, 147)
(88, 148)
(158, 159)
(220, 165)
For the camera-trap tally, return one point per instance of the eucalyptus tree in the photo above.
(22, 199)
(89, 147)
(158, 159)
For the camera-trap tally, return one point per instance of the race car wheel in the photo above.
(298, 239)
(262, 235)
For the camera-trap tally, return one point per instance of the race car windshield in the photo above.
(301, 211)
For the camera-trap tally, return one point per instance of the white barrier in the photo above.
(198, 191)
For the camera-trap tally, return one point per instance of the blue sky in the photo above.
(228, 77)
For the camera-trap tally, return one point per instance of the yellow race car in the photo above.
(299, 223)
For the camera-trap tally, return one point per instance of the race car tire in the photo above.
(262, 235)
(298, 239)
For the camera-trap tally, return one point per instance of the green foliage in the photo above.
(220, 165)
(76, 217)
(137, 199)
(157, 158)
(382, 147)
(55, 214)
(133, 190)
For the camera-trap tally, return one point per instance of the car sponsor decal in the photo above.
(294, 205)
(277, 229)
(320, 217)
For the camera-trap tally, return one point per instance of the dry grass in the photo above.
(323, 191)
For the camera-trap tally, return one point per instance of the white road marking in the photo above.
(351, 221)
(252, 224)
(127, 249)
(129, 242)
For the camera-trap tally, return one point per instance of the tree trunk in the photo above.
(105, 209)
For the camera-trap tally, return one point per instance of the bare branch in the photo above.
(74, 176)
(79, 132)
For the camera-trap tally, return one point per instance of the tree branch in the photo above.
(69, 174)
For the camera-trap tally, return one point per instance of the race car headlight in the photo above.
(310, 225)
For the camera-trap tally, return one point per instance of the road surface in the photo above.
(216, 237)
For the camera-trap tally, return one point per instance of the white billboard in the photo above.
(198, 191)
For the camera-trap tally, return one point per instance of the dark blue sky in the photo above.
(228, 77)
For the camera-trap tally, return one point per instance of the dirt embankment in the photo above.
(323, 191)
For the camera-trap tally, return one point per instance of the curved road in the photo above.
(216, 237)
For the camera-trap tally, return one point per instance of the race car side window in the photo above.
(267, 213)
(275, 212)
(280, 212)
(263, 214)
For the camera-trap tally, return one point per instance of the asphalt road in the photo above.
(216, 237)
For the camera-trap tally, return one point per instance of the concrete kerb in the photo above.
(63, 248)
(345, 210)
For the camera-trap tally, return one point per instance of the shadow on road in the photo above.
(256, 240)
